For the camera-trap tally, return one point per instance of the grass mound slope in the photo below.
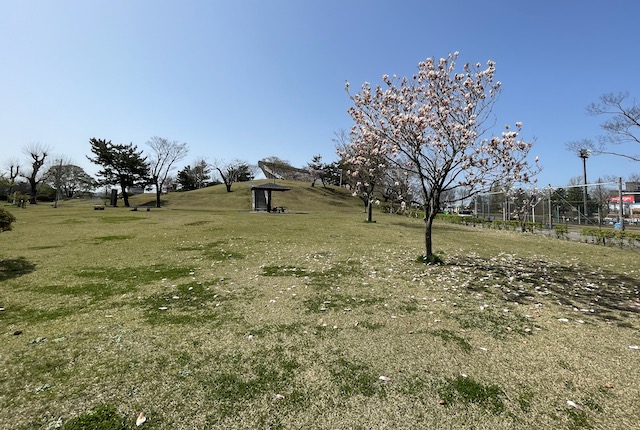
(204, 315)
(301, 198)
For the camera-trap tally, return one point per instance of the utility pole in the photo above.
(620, 208)
(584, 154)
(550, 211)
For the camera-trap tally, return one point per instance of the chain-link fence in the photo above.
(594, 204)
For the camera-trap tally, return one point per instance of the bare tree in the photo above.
(601, 195)
(622, 125)
(235, 171)
(165, 154)
(38, 154)
(55, 176)
(68, 179)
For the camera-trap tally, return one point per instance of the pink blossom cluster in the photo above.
(434, 124)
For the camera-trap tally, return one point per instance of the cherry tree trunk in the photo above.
(428, 244)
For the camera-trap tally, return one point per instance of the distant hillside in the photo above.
(301, 198)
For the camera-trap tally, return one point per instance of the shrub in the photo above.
(532, 226)
(19, 198)
(634, 238)
(561, 230)
(598, 235)
(6, 219)
(613, 236)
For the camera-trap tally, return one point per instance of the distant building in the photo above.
(630, 202)
(632, 187)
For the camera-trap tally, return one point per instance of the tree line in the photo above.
(126, 166)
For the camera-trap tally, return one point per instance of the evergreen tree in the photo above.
(122, 165)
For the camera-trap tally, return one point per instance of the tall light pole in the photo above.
(584, 154)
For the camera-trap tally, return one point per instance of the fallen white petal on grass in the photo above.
(574, 405)
(563, 320)
(634, 347)
(163, 308)
(279, 397)
(141, 419)
(384, 378)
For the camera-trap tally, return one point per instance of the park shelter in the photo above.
(261, 197)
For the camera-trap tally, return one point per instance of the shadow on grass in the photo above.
(594, 290)
(12, 268)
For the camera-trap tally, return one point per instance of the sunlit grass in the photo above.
(204, 315)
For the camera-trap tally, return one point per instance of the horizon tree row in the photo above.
(123, 165)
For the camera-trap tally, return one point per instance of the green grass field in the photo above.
(205, 315)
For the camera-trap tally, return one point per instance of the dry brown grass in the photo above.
(314, 306)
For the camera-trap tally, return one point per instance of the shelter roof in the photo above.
(270, 186)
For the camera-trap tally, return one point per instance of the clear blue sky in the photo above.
(252, 78)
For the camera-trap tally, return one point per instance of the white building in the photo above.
(630, 202)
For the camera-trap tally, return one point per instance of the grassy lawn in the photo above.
(204, 315)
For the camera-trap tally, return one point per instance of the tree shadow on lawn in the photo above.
(595, 291)
(12, 268)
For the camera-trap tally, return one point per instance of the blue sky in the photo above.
(249, 79)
